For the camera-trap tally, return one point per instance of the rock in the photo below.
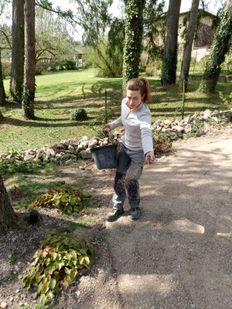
(33, 217)
(3, 304)
(78, 293)
(50, 152)
(187, 128)
(86, 154)
(9, 156)
(167, 122)
(84, 139)
(93, 143)
(40, 155)
(206, 114)
(178, 128)
(61, 147)
(28, 158)
(83, 145)
(71, 149)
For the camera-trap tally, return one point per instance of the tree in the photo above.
(53, 39)
(188, 44)
(7, 215)
(107, 55)
(153, 27)
(220, 47)
(30, 60)
(4, 45)
(2, 90)
(168, 76)
(133, 38)
(17, 65)
(94, 18)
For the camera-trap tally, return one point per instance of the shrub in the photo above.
(109, 62)
(57, 263)
(79, 114)
(69, 64)
(55, 66)
(68, 200)
(60, 65)
(162, 143)
(227, 65)
(41, 67)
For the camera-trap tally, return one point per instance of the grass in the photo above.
(57, 94)
(25, 189)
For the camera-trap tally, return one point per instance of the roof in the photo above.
(200, 10)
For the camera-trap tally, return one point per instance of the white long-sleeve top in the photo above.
(137, 124)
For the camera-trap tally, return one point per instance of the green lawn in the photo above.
(57, 94)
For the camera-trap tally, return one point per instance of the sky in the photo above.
(116, 10)
(213, 5)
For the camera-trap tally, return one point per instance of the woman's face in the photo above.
(134, 97)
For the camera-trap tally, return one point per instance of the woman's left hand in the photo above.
(150, 157)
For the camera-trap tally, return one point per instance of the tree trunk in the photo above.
(17, 65)
(7, 215)
(133, 38)
(188, 44)
(220, 47)
(2, 89)
(30, 60)
(170, 47)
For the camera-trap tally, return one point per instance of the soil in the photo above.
(171, 258)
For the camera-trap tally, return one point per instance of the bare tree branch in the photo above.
(6, 37)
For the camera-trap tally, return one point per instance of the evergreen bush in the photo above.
(79, 114)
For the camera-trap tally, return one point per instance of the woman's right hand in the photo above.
(107, 128)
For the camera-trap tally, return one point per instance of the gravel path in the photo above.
(179, 254)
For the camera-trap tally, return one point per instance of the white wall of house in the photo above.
(198, 52)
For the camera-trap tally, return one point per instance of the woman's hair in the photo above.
(142, 85)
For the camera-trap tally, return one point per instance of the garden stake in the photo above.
(183, 100)
(106, 111)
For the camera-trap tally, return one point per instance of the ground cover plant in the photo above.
(57, 263)
(68, 200)
(27, 167)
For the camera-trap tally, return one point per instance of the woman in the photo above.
(136, 147)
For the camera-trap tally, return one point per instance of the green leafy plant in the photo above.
(57, 263)
(103, 134)
(197, 128)
(19, 167)
(33, 166)
(68, 200)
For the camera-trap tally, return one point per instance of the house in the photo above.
(203, 38)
